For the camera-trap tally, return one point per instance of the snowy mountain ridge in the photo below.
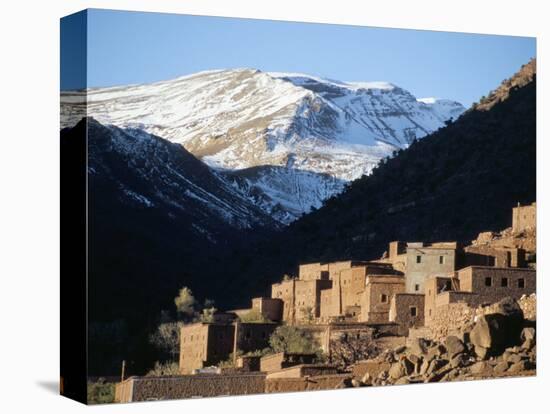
(323, 132)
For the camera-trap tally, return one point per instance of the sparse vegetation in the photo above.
(254, 316)
(164, 369)
(100, 392)
(185, 302)
(207, 314)
(292, 339)
(167, 338)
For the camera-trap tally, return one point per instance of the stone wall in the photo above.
(282, 360)
(303, 370)
(373, 368)
(450, 319)
(188, 386)
(325, 382)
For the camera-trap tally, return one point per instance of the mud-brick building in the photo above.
(424, 260)
(485, 255)
(300, 299)
(407, 311)
(206, 344)
(524, 218)
(331, 290)
(377, 296)
(270, 308)
(476, 286)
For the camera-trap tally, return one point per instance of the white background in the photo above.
(29, 203)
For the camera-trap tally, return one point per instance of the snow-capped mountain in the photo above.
(318, 133)
(142, 172)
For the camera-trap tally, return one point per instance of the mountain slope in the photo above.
(451, 185)
(160, 219)
(243, 118)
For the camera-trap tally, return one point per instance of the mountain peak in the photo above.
(328, 132)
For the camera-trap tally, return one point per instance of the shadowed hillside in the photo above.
(461, 180)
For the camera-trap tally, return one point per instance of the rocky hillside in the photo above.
(519, 80)
(457, 182)
(500, 343)
(324, 131)
(160, 219)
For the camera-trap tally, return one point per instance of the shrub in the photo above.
(164, 369)
(293, 340)
(185, 301)
(100, 392)
(253, 316)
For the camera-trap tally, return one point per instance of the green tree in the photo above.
(185, 302)
(293, 340)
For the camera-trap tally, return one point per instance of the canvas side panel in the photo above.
(73, 232)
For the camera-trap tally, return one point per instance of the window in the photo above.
(430, 312)
(413, 310)
(488, 281)
(418, 259)
(441, 259)
(429, 292)
(383, 298)
(504, 282)
(416, 287)
(521, 283)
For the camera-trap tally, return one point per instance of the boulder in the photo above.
(482, 368)
(492, 333)
(402, 381)
(501, 367)
(457, 361)
(355, 383)
(481, 352)
(518, 367)
(397, 371)
(527, 345)
(408, 366)
(435, 352)
(435, 365)
(528, 334)
(367, 379)
(454, 346)
(418, 346)
(400, 349)
(512, 358)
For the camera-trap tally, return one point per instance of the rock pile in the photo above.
(528, 305)
(501, 343)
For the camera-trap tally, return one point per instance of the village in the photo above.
(423, 312)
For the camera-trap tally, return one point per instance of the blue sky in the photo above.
(136, 47)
